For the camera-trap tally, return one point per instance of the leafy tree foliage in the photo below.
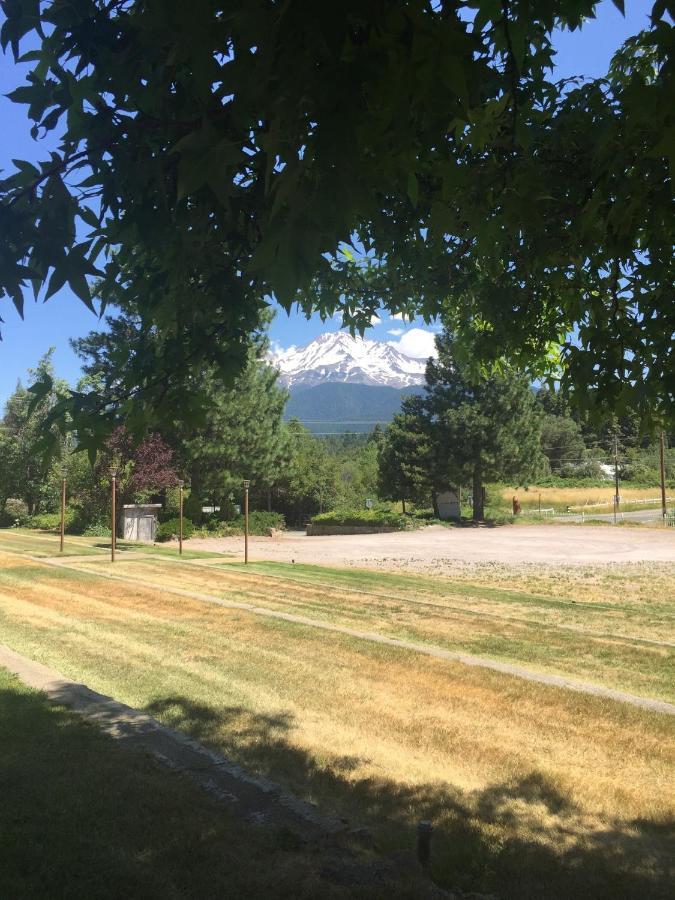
(239, 433)
(561, 436)
(310, 482)
(211, 155)
(481, 429)
(405, 455)
(23, 473)
(463, 431)
(143, 471)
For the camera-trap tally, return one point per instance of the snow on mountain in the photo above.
(339, 357)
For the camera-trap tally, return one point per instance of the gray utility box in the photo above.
(140, 521)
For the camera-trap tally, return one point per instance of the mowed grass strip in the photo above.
(539, 638)
(38, 544)
(534, 791)
(83, 817)
(44, 544)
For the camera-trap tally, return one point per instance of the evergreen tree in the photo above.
(240, 434)
(404, 455)
(23, 472)
(480, 428)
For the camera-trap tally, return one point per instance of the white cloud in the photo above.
(417, 343)
(375, 320)
(276, 350)
(396, 331)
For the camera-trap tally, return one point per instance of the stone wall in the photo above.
(316, 530)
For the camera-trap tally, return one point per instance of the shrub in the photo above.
(640, 473)
(375, 517)
(43, 521)
(168, 530)
(74, 521)
(260, 521)
(15, 510)
(6, 521)
(97, 529)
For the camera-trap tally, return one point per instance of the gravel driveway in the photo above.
(554, 544)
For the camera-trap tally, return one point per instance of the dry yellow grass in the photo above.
(534, 791)
(559, 498)
(620, 644)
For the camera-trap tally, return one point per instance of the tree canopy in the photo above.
(412, 155)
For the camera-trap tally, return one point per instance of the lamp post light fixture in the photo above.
(246, 487)
(181, 485)
(113, 514)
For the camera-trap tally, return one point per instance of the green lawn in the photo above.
(44, 544)
(534, 791)
(82, 817)
(618, 643)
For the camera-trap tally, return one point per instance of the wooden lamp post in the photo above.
(113, 514)
(63, 510)
(181, 485)
(246, 487)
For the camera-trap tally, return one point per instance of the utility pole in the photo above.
(63, 512)
(662, 461)
(113, 515)
(180, 516)
(616, 476)
(246, 487)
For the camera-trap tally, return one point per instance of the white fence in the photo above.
(656, 501)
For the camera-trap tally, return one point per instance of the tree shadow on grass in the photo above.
(524, 839)
(83, 817)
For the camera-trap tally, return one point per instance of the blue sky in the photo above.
(51, 325)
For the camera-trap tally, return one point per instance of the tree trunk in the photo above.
(269, 500)
(403, 504)
(434, 503)
(478, 511)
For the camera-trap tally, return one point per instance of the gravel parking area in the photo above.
(441, 549)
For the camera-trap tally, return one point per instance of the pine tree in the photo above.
(23, 471)
(404, 455)
(480, 428)
(240, 435)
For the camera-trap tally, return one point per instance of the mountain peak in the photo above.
(336, 356)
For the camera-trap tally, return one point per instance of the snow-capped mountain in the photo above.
(339, 357)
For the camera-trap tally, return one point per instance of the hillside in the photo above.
(336, 406)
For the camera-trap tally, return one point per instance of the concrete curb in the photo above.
(258, 800)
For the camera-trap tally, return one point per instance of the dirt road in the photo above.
(438, 548)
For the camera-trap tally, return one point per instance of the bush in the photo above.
(6, 521)
(639, 473)
(44, 521)
(260, 521)
(375, 517)
(97, 530)
(168, 530)
(74, 521)
(15, 510)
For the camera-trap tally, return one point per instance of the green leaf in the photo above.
(413, 188)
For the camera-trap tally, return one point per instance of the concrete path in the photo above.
(559, 681)
(257, 800)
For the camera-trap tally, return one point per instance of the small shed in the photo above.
(140, 521)
(448, 503)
